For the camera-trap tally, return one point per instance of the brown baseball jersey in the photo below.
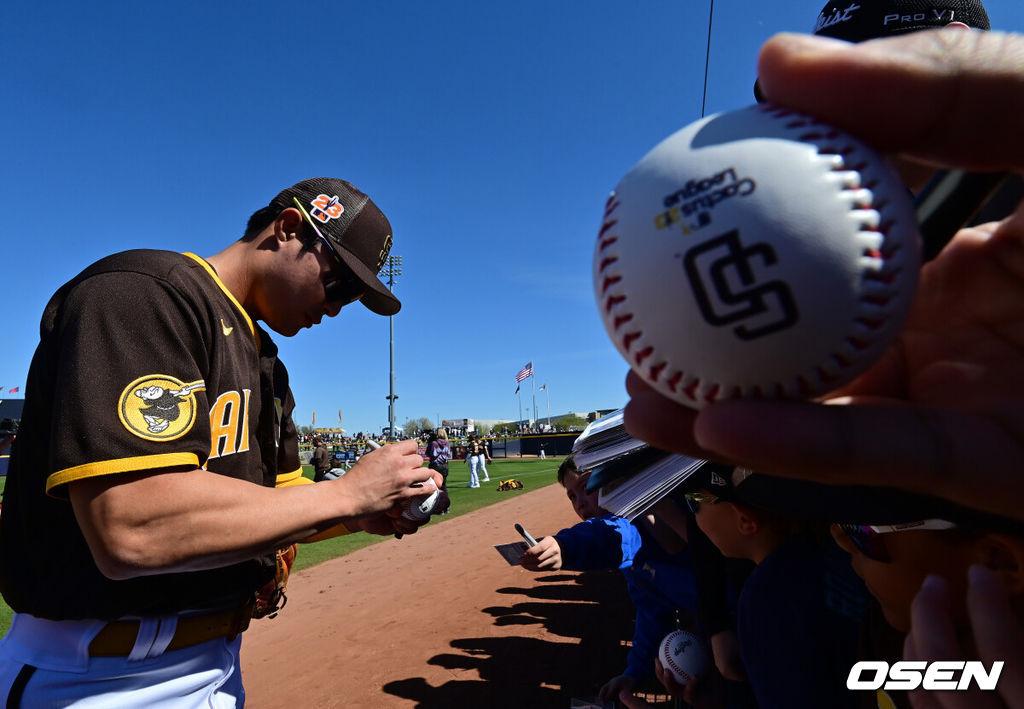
(146, 362)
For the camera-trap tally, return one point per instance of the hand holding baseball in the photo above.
(699, 692)
(382, 480)
(759, 253)
(947, 398)
(433, 501)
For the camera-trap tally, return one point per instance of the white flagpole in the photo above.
(547, 398)
(533, 381)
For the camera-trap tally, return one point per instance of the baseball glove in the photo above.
(510, 484)
(271, 598)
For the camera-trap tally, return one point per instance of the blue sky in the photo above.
(489, 133)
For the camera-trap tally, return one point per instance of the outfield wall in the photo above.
(554, 444)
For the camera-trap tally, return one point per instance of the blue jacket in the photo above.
(658, 582)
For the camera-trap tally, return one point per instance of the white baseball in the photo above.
(756, 253)
(420, 508)
(683, 655)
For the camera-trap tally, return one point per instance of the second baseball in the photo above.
(756, 253)
(682, 654)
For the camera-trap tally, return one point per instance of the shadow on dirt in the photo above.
(589, 618)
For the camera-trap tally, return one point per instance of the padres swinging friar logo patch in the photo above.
(159, 407)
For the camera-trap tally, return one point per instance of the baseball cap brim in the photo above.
(378, 298)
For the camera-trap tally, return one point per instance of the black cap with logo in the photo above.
(356, 228)
(861, 20)
(872, 19)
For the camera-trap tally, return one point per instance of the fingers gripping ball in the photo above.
(421, 507)
(683, 655)
(756, 253)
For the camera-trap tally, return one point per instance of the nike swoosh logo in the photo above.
(227, 330)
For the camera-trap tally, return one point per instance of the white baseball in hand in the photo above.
(683, 655)
(420, 508)
(756, 253)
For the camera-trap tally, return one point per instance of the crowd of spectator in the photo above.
(885, 526)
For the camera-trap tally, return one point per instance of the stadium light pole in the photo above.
(392, 269)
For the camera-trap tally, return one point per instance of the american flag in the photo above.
(525, 372)
(542, 387)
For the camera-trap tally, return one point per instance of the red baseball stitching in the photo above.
(612, 300)
(875, 205)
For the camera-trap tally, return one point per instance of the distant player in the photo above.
(477, 457)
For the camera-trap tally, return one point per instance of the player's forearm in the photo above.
(169, 522)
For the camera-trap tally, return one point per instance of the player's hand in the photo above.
(947, 399)
(382, 480)
(545, 555)
(437, 477)
(996, 632)
(386, 523)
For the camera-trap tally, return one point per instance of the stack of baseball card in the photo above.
(630, 474)
(603, 441)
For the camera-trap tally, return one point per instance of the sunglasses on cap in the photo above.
(695, 499)
(340, 286)
(868, 538)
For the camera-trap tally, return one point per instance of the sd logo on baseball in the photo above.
(756, 253)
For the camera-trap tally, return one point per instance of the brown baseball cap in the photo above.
(357, 230)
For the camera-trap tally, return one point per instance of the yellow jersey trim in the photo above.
(292, 478)
(120, 465)
(338, 530)
(231, 297)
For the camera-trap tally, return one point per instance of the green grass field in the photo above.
(532, 472)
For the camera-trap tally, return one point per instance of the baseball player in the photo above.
(321, 460)
(476, 457)
(155, 472)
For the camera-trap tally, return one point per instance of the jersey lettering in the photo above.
(229, 424)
